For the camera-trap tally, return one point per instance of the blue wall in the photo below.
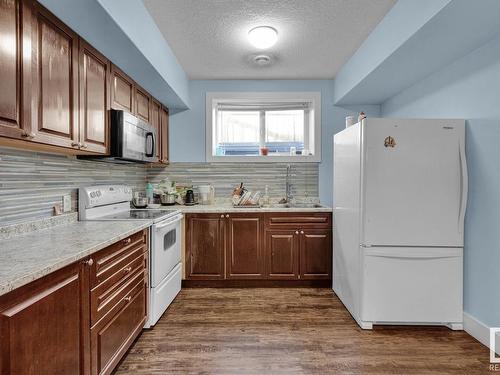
(188, 128)
(469, 89)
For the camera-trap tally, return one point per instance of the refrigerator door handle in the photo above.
(464, 183)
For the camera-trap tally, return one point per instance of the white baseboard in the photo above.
(480, 331)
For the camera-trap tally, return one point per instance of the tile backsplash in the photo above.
(225, 176)
(32, 182)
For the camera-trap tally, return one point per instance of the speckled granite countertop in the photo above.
(28, 257)
(218, 208)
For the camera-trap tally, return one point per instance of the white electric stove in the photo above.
(112, 203)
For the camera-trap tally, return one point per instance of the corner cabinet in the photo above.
(259, 246)
(80, 319)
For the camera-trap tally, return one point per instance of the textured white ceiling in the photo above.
(316, 37)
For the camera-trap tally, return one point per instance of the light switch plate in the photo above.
(66, 203)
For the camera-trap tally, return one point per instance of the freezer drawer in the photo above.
(412, 285)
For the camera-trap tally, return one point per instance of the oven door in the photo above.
(165, 248)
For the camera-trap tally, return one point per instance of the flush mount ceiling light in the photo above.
(263, 36)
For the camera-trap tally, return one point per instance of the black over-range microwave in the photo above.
(132, 139)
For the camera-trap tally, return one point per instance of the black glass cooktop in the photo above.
(139, 215)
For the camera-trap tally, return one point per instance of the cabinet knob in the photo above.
(128, 298)
(75, 144)
(222, 216)
(296, 232)
(127, 270)
(227, 215)
(89, 262)
(84, 145)
(301, 232)
(127, 241)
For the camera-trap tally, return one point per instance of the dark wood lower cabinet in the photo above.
(205, 241)
(244, 246)
(44, 325)
(315, 254)
(258, 246)
(113, 335)
(53, 326)
(282, 254)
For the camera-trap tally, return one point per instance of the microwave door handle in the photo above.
(150, 154)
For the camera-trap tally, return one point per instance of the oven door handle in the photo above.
(152, 153)
(165, 223)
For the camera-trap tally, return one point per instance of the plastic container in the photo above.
(149, 192)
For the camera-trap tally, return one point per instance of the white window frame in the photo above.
(212, 100)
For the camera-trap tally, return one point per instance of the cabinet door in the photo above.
(44, 326)
(282, 254)
(156, 122)
(244, 248)
(164, 134)
(55, 80)
(205, 247)
(94, 100)
(142, 104)
(13, 64)
(122, 90)
(112, 336)
(315, 254)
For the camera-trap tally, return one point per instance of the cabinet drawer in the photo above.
(103, 301)
(112, 337)
(114, 259)
(299, 220)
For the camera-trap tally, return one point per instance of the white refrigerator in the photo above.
(400, 194)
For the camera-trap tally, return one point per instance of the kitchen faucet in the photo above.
(288, 185)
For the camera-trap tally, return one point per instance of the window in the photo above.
(264, 127)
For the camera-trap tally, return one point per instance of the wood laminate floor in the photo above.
(291, 331)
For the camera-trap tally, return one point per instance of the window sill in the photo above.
(264, 159)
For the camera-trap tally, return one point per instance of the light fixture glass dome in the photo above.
(263, 36)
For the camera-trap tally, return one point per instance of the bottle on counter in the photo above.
(265, 198)
(149, 192)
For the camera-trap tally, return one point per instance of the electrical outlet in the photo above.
(66, 203)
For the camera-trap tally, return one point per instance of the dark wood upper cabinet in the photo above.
(205, 246)
(282, 254)
(244, 247)
(56, 89)
(44, 325)
(164, 134)
(315, 254)
(95, 72)
(54, 80)
(122, 90)
(14, 70)
(142, 104)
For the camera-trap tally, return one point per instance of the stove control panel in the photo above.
(102, 195)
